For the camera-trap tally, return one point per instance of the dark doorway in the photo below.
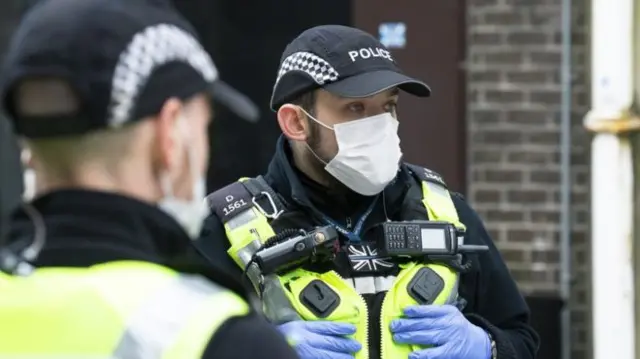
(246, 39)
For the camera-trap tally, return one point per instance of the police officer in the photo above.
(112, 99)
(338, 163)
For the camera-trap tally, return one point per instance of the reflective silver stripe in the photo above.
(156, 325)
(371, 285)
(241, 219)
(438, 189)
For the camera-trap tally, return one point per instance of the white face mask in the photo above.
(190, 214)
(368, 153)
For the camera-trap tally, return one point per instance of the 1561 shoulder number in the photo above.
(233, 205)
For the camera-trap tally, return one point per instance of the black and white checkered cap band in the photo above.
(316, 67)
(152, 47)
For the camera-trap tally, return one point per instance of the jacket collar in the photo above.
(88, 227)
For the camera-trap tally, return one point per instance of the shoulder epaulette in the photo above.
(426, 174)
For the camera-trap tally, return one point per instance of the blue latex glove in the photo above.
(444, 328)
(321, 339)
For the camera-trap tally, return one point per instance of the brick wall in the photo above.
(514, 98)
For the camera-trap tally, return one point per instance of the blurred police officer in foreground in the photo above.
(338, 163)
(112, 99)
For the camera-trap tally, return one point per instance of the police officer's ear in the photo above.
(168, 136)
(293, 122)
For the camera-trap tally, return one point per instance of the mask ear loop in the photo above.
(192, 158)
(193, 165)
(315, 119)
(315, 155)
(165, 179)
(321, 124)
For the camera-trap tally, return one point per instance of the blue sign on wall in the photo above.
(393, 35)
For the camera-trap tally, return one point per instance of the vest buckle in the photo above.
(274, 213)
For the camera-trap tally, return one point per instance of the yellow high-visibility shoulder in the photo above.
(436, 197)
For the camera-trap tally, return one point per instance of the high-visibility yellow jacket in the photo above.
(122, 309)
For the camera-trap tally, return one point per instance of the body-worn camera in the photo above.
(290, 252)
(422, 238)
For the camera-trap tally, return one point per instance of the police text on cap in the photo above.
(368, 52)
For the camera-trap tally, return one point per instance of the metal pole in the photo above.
(612, 182)
(634, 139)
(565, 182)
(635, 147)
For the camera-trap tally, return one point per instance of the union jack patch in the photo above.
(364, 259)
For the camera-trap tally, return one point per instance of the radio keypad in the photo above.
(396, 237)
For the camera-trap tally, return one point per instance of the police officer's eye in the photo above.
(356, 107)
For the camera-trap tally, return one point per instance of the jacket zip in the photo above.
(365, 346)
